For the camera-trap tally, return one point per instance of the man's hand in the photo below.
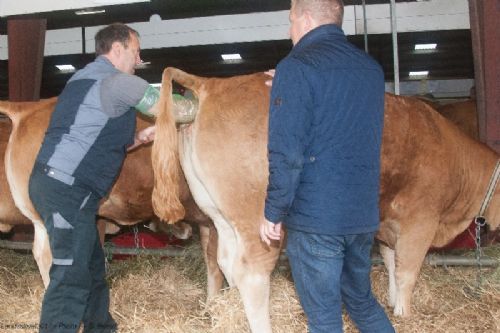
(142, 137)
(270, 72)
(147, 134)
(269, 231)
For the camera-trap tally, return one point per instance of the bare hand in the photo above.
(269, 231)
(142, 137)
(270, 72)
(147, 134)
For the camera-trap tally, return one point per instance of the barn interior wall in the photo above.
(438, 89)
(412, 16)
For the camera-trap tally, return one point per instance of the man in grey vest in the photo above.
(90, 130)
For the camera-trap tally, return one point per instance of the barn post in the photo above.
(26, 41)
(365, 26)
(394, 32)
(485, 30)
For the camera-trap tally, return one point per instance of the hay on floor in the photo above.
(150, 294)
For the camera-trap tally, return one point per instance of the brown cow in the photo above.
(9, 214)
(128, 203)
(464, 115)
(433, 180)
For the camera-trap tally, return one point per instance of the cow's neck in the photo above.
(492, 199)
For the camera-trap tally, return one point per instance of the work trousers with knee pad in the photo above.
(77, 292)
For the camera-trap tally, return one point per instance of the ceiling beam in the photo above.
(19, 7)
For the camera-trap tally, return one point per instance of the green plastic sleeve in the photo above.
(149, 99)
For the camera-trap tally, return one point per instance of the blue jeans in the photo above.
(329, 271)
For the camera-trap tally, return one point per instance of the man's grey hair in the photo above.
(323, 11)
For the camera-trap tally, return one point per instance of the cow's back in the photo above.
(464, 115)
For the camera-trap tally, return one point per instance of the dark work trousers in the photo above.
(77, 292)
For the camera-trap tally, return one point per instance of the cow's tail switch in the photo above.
(165, 157)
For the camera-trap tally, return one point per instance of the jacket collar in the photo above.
(331, 30)
(103, 60)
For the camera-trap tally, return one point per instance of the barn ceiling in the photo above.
(452, 59)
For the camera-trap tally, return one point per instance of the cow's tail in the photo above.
(17, 110)
(165, 157)
(8, 109)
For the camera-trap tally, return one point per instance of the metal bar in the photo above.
(365, 26)
(6, 244)
(454, 260)
(431, 259)
(395, 47)
(84, 49)
(167, 252)
(108, 247)
(439, 260)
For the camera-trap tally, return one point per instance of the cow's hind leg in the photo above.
(215, 278)
(41, 251)
(390, 263)
(410, 250)
(252, 278)
(247, 265)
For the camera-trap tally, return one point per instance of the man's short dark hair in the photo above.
(116, 32)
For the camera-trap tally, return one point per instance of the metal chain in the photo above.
(136, 239)
(480, 222)
(108, 256)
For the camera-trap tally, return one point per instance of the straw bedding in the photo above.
(150, 294)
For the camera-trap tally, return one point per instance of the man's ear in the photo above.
(116, 48)
(309, 21)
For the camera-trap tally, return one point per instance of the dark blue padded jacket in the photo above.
(325, 130)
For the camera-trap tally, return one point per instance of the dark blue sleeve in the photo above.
(290, 116)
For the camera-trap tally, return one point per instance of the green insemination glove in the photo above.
(149, 99)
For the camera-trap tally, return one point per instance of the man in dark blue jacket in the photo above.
(325, 132)
(84, 146)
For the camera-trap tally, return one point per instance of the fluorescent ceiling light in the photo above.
(155, 85)
(89, 11)
(233, 56)
(419, 73)
(431, 46)
(66, 68)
